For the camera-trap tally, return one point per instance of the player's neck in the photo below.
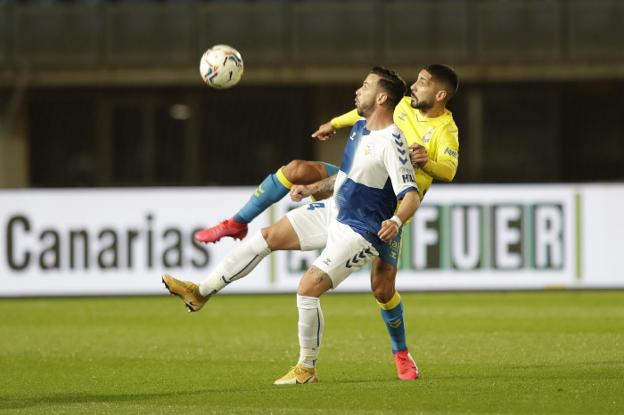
(433, 112)
(379, 119)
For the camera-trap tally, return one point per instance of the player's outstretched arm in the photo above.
(327, 130)
(390, 228)
(324, 132)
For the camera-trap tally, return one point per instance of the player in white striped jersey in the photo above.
(352, 227)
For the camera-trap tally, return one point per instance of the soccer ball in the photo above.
(221, 66)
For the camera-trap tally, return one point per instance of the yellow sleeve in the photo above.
(444, 166)
(345, 120)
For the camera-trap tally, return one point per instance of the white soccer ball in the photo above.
(221, 66)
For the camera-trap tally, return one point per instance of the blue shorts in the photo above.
(389, 253)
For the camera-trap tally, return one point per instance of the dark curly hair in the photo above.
(392, 83)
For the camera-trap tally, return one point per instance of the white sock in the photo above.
(236, 264)
(311, 325)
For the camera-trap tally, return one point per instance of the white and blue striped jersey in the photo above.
(375, 172)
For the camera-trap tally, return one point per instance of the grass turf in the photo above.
(479, 353)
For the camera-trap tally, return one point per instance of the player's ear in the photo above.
(382, 97)
(441, 95)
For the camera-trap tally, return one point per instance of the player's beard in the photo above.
(362, 109)
(421, 105)
(360, 112)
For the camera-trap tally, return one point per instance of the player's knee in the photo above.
(383, 292)
(382, 283)
(313, 290)
(295, 171)
(314, 283)
(271, 237)
(304, 172)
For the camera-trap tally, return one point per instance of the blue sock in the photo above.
(395, 324)
(273, 188)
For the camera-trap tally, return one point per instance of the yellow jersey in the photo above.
(439, 136)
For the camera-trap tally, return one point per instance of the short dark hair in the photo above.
(392, 83)
(446, 76)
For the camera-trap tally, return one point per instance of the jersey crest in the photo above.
(427, 137)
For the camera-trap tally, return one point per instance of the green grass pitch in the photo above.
(479, 353)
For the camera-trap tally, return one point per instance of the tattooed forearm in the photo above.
(325, 185)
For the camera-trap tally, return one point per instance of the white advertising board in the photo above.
(120, 241)
(93, 242)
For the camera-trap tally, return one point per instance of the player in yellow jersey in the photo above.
(429, 129)
(432, 135)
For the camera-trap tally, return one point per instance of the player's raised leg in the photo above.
(273, 188)
(383, 277)
(237, 264)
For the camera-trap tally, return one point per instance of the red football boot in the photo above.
(228, 227)
(406, 366)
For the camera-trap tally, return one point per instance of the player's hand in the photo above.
(324, 132)
(418, 154)
(299, 192)
(389, 230)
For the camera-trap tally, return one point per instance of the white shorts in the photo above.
(311, 222)
(345, 250)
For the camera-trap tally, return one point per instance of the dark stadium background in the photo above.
(107, 93)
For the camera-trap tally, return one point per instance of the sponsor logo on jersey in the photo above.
(408, 178)
(450, 152)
